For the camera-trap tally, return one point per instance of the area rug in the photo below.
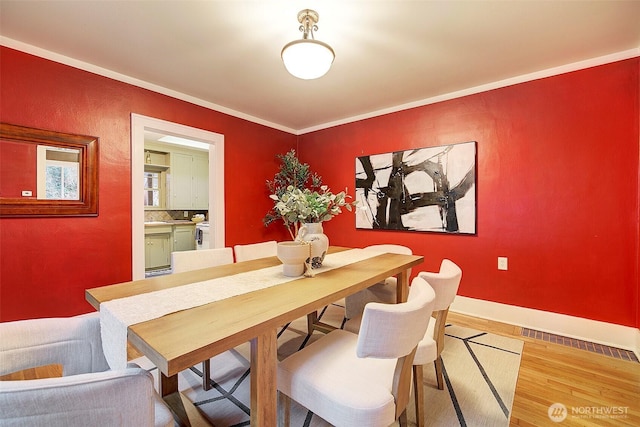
(480, 372)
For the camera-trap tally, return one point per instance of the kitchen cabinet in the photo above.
(157, 247)
(160, 239)
(184, 238)
(155, 169)
(180, 192)
(201, 182)
(189, 188)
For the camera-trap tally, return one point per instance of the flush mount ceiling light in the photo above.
(307, 58)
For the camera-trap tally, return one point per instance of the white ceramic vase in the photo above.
(312, 233)
(293, 256)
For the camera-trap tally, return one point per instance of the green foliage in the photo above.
(300, 197)
(295, 205)
(291, 173)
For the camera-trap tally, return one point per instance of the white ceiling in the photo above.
(389, 54)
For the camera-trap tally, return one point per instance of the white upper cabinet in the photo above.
(201, 182)
(187, 177)
(181, 181)
(189, 187)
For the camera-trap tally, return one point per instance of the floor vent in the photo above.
(618, 353)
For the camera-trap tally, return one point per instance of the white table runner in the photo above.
(117, 315)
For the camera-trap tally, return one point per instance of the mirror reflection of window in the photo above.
(58, 173)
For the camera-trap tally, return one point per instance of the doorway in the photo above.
(139, 126)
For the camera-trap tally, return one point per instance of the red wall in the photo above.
(47, 263)
(557, 186)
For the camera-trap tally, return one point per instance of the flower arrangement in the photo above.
(300, 197)
(297, 206)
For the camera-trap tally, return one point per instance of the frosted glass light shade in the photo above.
(307, 59)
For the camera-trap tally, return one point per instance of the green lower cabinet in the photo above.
(184, 238)
(157, 251)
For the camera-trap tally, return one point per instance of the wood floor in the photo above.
(596, 390)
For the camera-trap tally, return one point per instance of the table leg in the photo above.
(402, 286)
(184, 411)
(264, 359)
(312, 319)
(314, 325)
(168, 385)
(206, 375)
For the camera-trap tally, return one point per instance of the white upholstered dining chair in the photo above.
(255, 250)
(384, 291)
(445, 284)
(87, 394)
(194, 260)
(200, 258)
(360, 380)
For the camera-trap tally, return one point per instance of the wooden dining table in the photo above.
(179, 340)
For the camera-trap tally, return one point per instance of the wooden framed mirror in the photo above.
(45, 173)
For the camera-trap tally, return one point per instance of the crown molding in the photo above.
(575, 66)
(85, 66)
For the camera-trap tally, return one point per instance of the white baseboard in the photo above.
(609, 334)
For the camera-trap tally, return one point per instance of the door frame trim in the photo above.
(139, 125)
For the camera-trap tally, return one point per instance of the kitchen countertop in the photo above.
(172, 222)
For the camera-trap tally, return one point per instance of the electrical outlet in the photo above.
(186, 214)
(503, 263)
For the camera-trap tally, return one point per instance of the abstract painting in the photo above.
(424, 189)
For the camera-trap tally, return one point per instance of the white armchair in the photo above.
(87, 394)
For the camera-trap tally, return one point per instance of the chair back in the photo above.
(445, 283)
(73, 342)
(392, 249)
(256, 250)
(200, 258)
(88, 393)
(391, 331)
